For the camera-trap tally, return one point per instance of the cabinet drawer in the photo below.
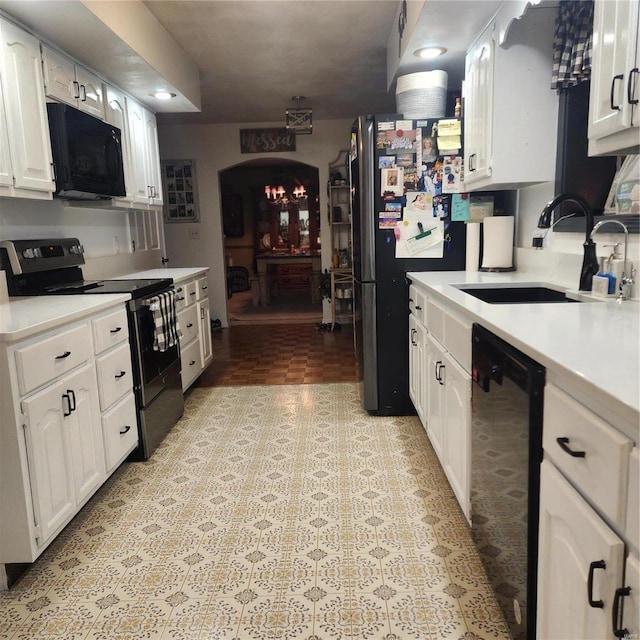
(46, 359)
(109, 330)
(418, 304)
(435, 316)
(202, 288)
(190, 361)
(190, 292)
(181, 296)
(120, 431)
(601, 473)
(457, 339)
(114, 375)
(294, 282)
(188, 321)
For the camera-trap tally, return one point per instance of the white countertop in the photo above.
(177, 275)
(23, 317)
(590, 348)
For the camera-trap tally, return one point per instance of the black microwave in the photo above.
(87, 154)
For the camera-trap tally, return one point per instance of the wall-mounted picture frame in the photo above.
(180, 187)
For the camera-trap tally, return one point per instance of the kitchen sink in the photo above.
(516, 295)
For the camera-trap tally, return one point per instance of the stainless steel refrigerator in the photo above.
(379, 209)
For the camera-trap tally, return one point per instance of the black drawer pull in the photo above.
(120, 375)
(180, 298)
(116, 330)
(621, 592)
(190, 325)
(192, 363)
(596, 564)
(418, 307)
(66, 412)
(413, 333)
(615, 107)
(72, 400)
(66, 354)
(193, 293)
(204, 288)
(564, 445)
(631, 85)
(125, 430)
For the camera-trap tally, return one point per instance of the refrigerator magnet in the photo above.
(392, 182)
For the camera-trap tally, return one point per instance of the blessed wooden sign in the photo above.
(266, 140)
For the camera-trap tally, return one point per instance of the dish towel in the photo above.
(167, 332)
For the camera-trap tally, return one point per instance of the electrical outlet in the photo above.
(194, 234)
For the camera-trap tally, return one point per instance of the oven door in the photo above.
(152, 368)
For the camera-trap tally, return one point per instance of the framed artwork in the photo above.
(180, 191)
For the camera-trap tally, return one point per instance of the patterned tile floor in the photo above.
(268, 512)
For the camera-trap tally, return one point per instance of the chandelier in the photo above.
(281, 195)
(299, 120)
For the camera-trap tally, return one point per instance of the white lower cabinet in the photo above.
(417, 337)
(580, 564)
(434, 395)
(588, 571)
(440, 386)
(58, 417)
(457, 430)
(192, 305)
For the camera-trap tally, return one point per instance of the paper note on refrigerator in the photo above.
(421, 237)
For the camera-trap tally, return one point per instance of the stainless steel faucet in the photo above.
(626, 280)
(590, 261)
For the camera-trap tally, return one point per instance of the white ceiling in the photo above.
(254, 55)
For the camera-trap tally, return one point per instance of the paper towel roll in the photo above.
(497, 244)
(472, 261)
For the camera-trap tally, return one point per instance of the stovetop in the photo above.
(142, 288)
(51, 266)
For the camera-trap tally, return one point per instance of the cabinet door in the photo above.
(50, 463)
(416, 368)
(479, 109)
(137, 137)
(434, 398)
(116, 115)
(29, 144)
(153, 157)
(615, 30)
(91, 93)
(457, 431)
(6, 174)
(574, 543)
(206, 352)
(631, 601)
(60, 77)
(84, 431)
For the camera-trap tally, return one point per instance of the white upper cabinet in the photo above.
(615, 81)
(510, 110)
(116, 115)
(72, 84)
(145, 157)
(24, 141)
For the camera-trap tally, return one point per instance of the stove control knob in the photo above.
(76, 249)
(37, 252)
(28, 253)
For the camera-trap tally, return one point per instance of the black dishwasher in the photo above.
(506, 452)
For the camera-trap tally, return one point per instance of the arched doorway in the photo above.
(271, 226)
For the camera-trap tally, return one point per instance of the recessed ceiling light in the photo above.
(163, 95)
(428, 53)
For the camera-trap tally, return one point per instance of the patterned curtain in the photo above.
(572, 44)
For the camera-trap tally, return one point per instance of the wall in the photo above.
(561, 257)
(217, 147)
(105, 235)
